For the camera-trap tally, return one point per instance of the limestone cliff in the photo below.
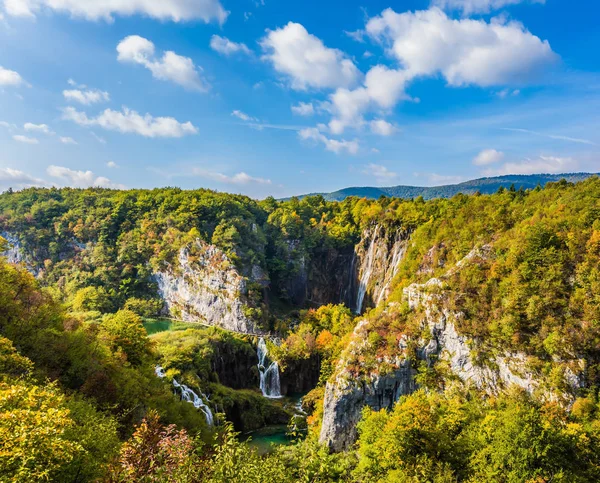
(204, 286)
(375, 264)
(347, 394)
(14, 254)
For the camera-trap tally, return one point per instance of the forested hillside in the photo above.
(481, 185)
(432, 341)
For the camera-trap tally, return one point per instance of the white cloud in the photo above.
(86, 97)
(552, 136)
(175, 10)
(383, 128)
(237, 179)
(10, 78)
(171, 67)
(383, 88)
(465, 52)
(304, 109)
(479, 6)
(24, 139)
(306, 61)
(488, 156)
(333, 145)
(41, 128)
(8, 125)
(357, 35)
(504, 93)
(98, 138)
(129, 121)
(541, 164)
(380, 173)
(81, 179)
(112, 165)
(428, 43)
(67, 140)
(243, 116)
(13, 178)
(224, 46)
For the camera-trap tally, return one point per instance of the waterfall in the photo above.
(366, 273)
(398, 254)
(269, 376)
(190, 396)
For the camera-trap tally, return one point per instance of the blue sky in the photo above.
(271, 97)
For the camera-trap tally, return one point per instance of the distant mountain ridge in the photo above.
(482, 185)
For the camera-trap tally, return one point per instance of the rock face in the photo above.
(358, 276)
(376, 262)
(14, 254)
(206, 287)
(325, 278)
(346, 396)
(300, 376)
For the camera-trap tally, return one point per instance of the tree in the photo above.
(33, 429)
(156, 453)
(126, 332)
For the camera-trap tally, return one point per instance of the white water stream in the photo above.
(269, 376)
(367, 270)
(190, 396)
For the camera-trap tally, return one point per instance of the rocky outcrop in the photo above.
(205, 287)
(14, 254)
(347, 395)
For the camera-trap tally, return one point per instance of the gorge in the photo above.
(369, 312)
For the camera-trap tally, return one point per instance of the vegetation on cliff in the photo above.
(80, 401)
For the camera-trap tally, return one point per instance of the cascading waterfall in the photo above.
(269, 376)
(366, 273)
(398, 254)
(190, 396)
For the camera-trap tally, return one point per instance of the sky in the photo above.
(273, 97)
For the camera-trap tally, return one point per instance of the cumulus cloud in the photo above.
(67, 140)
(334, 145)
(13, 178)
(383, 88)
(112, 165)
(175, 10)
(479, 6)
(128, 121)
(306, 61)
(224, 46)
(541, 164)
(429, 43)
(465, 52)
(170, 67)
(10, 78)
(304, 109)
(488, 156)
(243, 116)
(383, 128)
(25, 139)
(41, 128)
(86, 97)
(237, 179)
(80, 179)
(380, 173)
